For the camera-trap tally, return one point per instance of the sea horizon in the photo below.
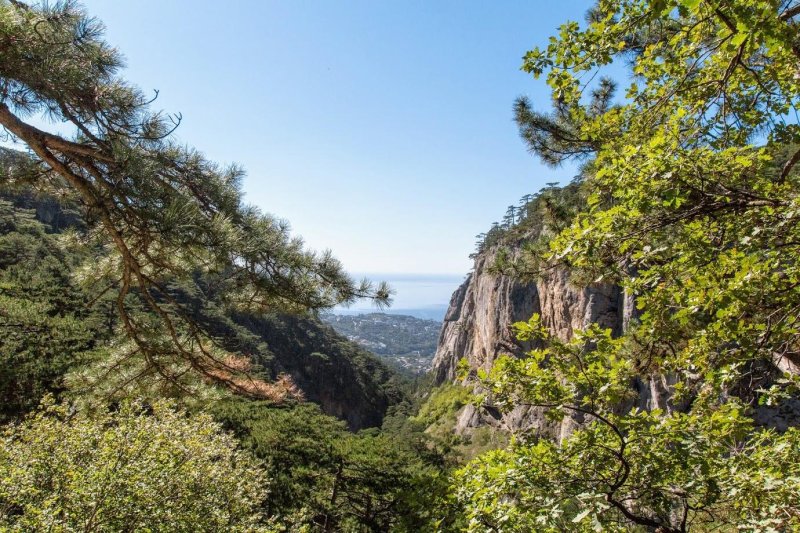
(416, 294)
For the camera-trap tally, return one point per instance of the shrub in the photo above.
(137, 468)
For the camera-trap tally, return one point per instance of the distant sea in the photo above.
(420, 295)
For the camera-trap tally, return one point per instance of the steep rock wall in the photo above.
(477, 323)
(477, 327)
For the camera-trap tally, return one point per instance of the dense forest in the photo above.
(163, 366)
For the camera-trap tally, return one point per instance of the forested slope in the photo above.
(48, 322)
(159, 339)
(56, 341)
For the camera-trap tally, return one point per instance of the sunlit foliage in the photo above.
(138, 468)
(692, 206)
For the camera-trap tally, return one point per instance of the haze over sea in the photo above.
(419, 295)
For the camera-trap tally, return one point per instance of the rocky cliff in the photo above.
(477, 323)
(477, 328)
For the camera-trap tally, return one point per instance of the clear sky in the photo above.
(381, 130)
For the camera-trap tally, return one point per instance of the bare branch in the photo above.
(790, 13)
(787, 168)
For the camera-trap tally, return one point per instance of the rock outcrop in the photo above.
(477, 325)
(477, 328)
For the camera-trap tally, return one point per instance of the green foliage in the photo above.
(661, 470)
(325, 478)
(285, 354)
(296, 442)
(701, 226)
(58, 331)
(694, 471)
(540, 217)
(589, 372)
(308, 452)
(437, 415)
(45, 322)
(542, 214)
(151, 469)
(557, 137)
(160, 213)
(443, 403)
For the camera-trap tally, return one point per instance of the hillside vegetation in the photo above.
(163, 366)
(56, 343)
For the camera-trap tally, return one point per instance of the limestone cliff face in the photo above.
(477, 328)
(477, 323)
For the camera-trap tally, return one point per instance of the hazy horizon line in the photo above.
(446, 276)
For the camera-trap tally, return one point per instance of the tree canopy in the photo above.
(692, 206)
(152, 469)
(161, 213)
(45, 321)
(688, 198)
(327, 479)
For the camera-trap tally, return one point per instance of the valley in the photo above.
(622, 352)
(404, 341)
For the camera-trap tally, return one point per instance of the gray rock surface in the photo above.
(477, 327)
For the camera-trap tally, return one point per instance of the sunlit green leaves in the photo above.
(138, 468)
(669, 464)
(692, 206)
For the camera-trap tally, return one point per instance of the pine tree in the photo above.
(162, 214)
(45, 321)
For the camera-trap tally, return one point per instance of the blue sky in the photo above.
(381, 130)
